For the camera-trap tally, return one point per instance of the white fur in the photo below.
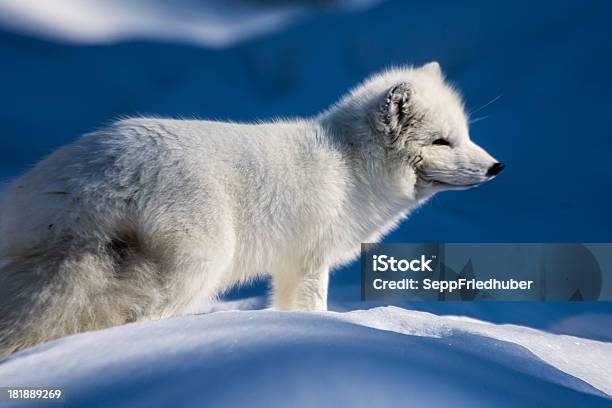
(148, 216)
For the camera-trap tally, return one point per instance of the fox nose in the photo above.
(495, 169)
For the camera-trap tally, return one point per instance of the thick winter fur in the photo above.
(147, 217)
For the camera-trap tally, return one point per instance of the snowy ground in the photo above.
(379, 357)
(213, 23)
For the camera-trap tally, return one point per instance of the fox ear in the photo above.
(395, 111)
(433, 68)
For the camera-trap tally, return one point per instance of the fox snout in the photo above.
(495, 169)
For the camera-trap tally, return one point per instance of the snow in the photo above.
(379, 357)
(588, 360)
(214, 23)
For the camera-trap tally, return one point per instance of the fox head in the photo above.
(411, 125)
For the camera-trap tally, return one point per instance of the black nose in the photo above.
(495, 169)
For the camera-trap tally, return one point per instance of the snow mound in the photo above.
(586, 359)
(213, 23)
(378, 357)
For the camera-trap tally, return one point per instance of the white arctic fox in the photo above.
(147, 217)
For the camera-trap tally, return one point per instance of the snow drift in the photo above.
(214, 23)
(378, 357)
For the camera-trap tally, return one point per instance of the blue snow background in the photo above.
(547, 64)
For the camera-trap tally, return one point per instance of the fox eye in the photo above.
(441, 142)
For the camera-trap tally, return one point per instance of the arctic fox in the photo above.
(147, 217)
